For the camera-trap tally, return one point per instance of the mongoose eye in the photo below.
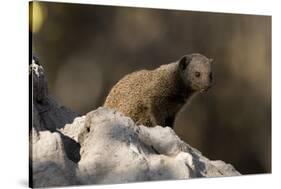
(197, 74)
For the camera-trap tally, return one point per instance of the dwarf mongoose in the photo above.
(154, 97)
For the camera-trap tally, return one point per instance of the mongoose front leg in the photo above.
(157, 117)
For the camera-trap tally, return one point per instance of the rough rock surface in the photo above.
(105, 147)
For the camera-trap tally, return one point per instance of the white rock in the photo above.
(50, 166)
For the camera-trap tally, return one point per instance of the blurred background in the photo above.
(86, 49)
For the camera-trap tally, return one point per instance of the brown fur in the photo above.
(153, 97)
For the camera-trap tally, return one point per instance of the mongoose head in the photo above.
(196, 72)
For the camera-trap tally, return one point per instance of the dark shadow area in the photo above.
(71, 147)
(54, 175)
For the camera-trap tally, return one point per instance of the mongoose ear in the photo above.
(184, 61)
(211, 60)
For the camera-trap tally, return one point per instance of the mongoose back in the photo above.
(154, 97)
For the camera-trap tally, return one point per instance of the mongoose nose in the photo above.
(206, 88)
